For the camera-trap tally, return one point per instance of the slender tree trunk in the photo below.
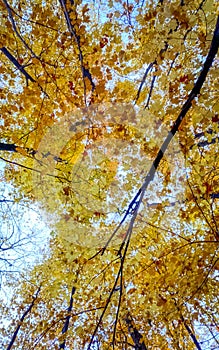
(21, 320)
(67, 320)
(9, 147)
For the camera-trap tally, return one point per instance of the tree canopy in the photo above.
(109, 125)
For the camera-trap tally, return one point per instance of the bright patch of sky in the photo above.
(24, 233)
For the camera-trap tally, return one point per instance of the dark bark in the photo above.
(67, 320)
(185, 108)
(9, 147)
(22, 319)
(85, 71)
(17, 64)
(135, 334)
(136, 201)
(214, 195)
(187, 105)
(192, 335)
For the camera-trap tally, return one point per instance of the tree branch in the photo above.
(137, 200)
(11, 18)
(22, 319)
(134, 333)
(17, 64)
(143, 80)
(185, 108)
(9, 147)
(85, 71)
(192, 335)
(150, 92)
(66, 325)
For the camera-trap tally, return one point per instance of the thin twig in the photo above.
(15, 29)
(150, 92)
(143, 80)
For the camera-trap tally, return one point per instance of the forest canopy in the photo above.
(109, 130)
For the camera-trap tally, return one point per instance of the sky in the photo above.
(23, 232)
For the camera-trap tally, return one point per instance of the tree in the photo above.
(110, 123)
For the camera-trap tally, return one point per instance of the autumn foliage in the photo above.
(109, 125)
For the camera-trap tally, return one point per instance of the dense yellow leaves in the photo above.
(88, 94)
